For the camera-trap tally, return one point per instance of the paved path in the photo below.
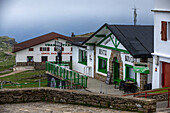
(44, 107)
(12, 73)
(97, 86)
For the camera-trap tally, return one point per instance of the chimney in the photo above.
(72, 35)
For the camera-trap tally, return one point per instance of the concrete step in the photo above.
(23, 68)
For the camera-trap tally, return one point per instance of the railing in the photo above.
(38, 84)
(67, 74)
(146, 94)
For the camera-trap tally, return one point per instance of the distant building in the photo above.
(161, 54)
(36, 51)
(116, 49)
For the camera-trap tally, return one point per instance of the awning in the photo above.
(141, 69)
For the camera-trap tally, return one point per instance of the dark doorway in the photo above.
(59, 58)
(165, 74)
(44, 58)
(116, 71)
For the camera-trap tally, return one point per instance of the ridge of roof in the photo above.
(38, 40)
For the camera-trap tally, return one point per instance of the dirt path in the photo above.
(11, 73)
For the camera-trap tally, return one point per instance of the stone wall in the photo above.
(76, 97)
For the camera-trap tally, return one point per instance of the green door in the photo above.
(116, 72)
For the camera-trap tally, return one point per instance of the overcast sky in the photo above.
(26, 19)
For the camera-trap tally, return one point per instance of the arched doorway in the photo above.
(116, 73)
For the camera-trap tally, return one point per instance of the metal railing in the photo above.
(39, 84)
(146, 94)
(66, 74)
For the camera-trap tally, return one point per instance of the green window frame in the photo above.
(102, 64)
(82, 57)
(127, 76)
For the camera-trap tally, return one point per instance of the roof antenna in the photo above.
(135, 15)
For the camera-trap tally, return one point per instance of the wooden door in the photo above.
(165, 74)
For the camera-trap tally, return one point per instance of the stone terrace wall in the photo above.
(76, 97)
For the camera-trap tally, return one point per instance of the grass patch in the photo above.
(163, 91)
(25, 80)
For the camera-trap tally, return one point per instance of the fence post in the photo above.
(71, 79)
(82, 81)
(2, 85)
(61, 72)
(78, 77)
(57, 70)
(67, 74)
(39, 83)
(64, 72)
(74, 77)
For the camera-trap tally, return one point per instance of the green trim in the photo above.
(90, 44)
(104, 39)
(102, 70)
(84, 63)
(127, 73)
(121, 50)
(100, 36)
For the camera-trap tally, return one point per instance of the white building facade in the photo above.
(161, 55)
(38, 50)
(105, 53)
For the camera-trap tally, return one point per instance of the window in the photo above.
(30, 59)
(71, 48)
(130, 74)
(83, 57)
(31, 49)
(164, 31)
(168, 30)
(102, 64)
(44, 58)
(44, 49)
(62, 48)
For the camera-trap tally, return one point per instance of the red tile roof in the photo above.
(39, 40)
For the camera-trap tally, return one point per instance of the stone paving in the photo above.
(43, 107)
(94, 85)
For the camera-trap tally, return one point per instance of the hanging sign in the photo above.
(141, 69)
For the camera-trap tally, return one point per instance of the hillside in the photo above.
(7, 59)
(85, 35)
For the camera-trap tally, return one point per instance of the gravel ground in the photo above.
(43, 107)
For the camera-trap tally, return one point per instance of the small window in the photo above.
(83, 57)
(102, 64)
(164, 31)
(31, 49)
(130, 74)
(71, 48)
(40, 48)
(62, 48)
(30, 59)
(55, 49)
(48, 49)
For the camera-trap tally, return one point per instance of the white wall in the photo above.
(161, 48)
(81, 67)
(104, 56)
(21, 56)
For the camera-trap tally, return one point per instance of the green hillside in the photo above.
(7, 58)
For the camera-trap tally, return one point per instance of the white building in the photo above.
(161, 58)
(36, 51)
(117, 49)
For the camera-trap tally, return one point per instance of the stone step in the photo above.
(23, 68)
